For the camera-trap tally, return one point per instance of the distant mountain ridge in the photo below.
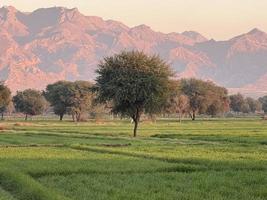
(57, 43)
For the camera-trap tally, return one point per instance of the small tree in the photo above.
(135, 84)
(217, 100)
(5, 98)
(181, 105)
(237, 103)
(29, 102)
(177, 103)
(57, 95)
(263, 101)
(253, 105)
(80, 99)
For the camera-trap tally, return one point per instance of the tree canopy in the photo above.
(263, 100)
(238, 103)
(30, 102)
(5, 98)
(57, 95)
(204, 97)
(177, 102)
(81, 99)
(75, 98)
(134, 82)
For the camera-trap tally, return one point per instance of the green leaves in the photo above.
(75, 98)
(132, 79)
(134, 82)
(205, 97)
(5, 97)
(30, 102)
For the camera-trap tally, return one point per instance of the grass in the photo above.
(5, 195)
(207, 159)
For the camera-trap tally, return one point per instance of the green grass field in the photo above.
(206, 159)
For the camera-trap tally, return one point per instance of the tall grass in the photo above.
(24, 187)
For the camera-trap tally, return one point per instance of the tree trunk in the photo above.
(194, 116)
(136, 119)
(190, 115)
(135, 127)
(2, 116)
(73, 117)
(78, 117)
(180, 117)
(61, 117)
(26, 117)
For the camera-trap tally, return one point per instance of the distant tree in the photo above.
(99, 110)
(81, 99)
(253, 104)
(204, 97)
(237, 103)
(180, 105)
(10, 108)
(135, 84)
(5, 98)
(177, 102)
(217, 100)
(30, 102)
(245, 108)
(263, 101)
(74, 98)
(58, 95)
(217, 107)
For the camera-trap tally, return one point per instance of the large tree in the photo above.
(5, 98)
(30, 102)
(135, 83)
(204, 97)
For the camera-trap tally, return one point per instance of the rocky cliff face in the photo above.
(56, 43)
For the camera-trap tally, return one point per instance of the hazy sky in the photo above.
(219, 19)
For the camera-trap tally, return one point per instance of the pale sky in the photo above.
(218, 19)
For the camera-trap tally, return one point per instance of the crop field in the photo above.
(206, 159)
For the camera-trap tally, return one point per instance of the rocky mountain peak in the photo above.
(197, 37)
(58, 43)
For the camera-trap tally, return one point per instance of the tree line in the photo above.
(130, 84)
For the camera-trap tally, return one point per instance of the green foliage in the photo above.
(57, 94)
(30, 102)
(263, 100)
(204, 97)
(81, 99)
(24, 187)
(75, 98)
(239, 103)
(177, 102)
(134, 82)
(253, 104)
(5, 98)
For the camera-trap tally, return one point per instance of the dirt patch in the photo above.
(3, 127)
(23, 124)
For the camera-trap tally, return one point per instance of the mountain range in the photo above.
(50, 44)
